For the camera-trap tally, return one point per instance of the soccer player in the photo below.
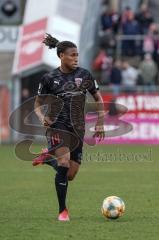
(64, 89)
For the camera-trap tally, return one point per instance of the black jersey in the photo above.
(70, 89)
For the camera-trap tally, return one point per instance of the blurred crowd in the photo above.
(133, 34)
(120, 75)
(132, 26)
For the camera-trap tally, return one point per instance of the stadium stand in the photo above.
(128, 35)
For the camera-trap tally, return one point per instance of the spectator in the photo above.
(144, 18)
(99, 60)
(156, 43)
(103, 62)
(130, 27)
(125, 14)
(110, 21)
(149, 40)
(106, 21)
(115, 21)
(129, 77)
(106, 70)
(148, 71)
(116, 77)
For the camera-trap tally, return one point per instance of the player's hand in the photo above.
(46, 121)
(99, 132)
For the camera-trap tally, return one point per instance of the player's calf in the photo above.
(61, 179)
(73, 170)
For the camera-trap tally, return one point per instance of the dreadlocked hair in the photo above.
(52, 42)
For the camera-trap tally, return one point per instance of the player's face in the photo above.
(70, 58)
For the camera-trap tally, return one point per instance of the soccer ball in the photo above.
(113, 207)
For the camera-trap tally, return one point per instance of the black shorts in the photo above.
(62, 135)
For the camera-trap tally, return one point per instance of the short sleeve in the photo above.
(93, 85)
(43, 86)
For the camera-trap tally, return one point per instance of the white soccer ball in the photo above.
(113, 207)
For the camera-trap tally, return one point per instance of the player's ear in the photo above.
(61, 56)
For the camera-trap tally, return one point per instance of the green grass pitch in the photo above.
(28, 204)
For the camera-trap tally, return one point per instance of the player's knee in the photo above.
(71, 176)
(64, 162)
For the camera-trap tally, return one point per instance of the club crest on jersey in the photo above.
(78, 81)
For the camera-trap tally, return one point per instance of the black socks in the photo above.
(61, 183)
(52, 162)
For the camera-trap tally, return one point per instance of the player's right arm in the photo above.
(39, 101)
(45, 120)
(37, 108)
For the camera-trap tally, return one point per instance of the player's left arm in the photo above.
(93, 89)
(99, 127)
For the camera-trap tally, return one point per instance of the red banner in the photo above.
(30, 48)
